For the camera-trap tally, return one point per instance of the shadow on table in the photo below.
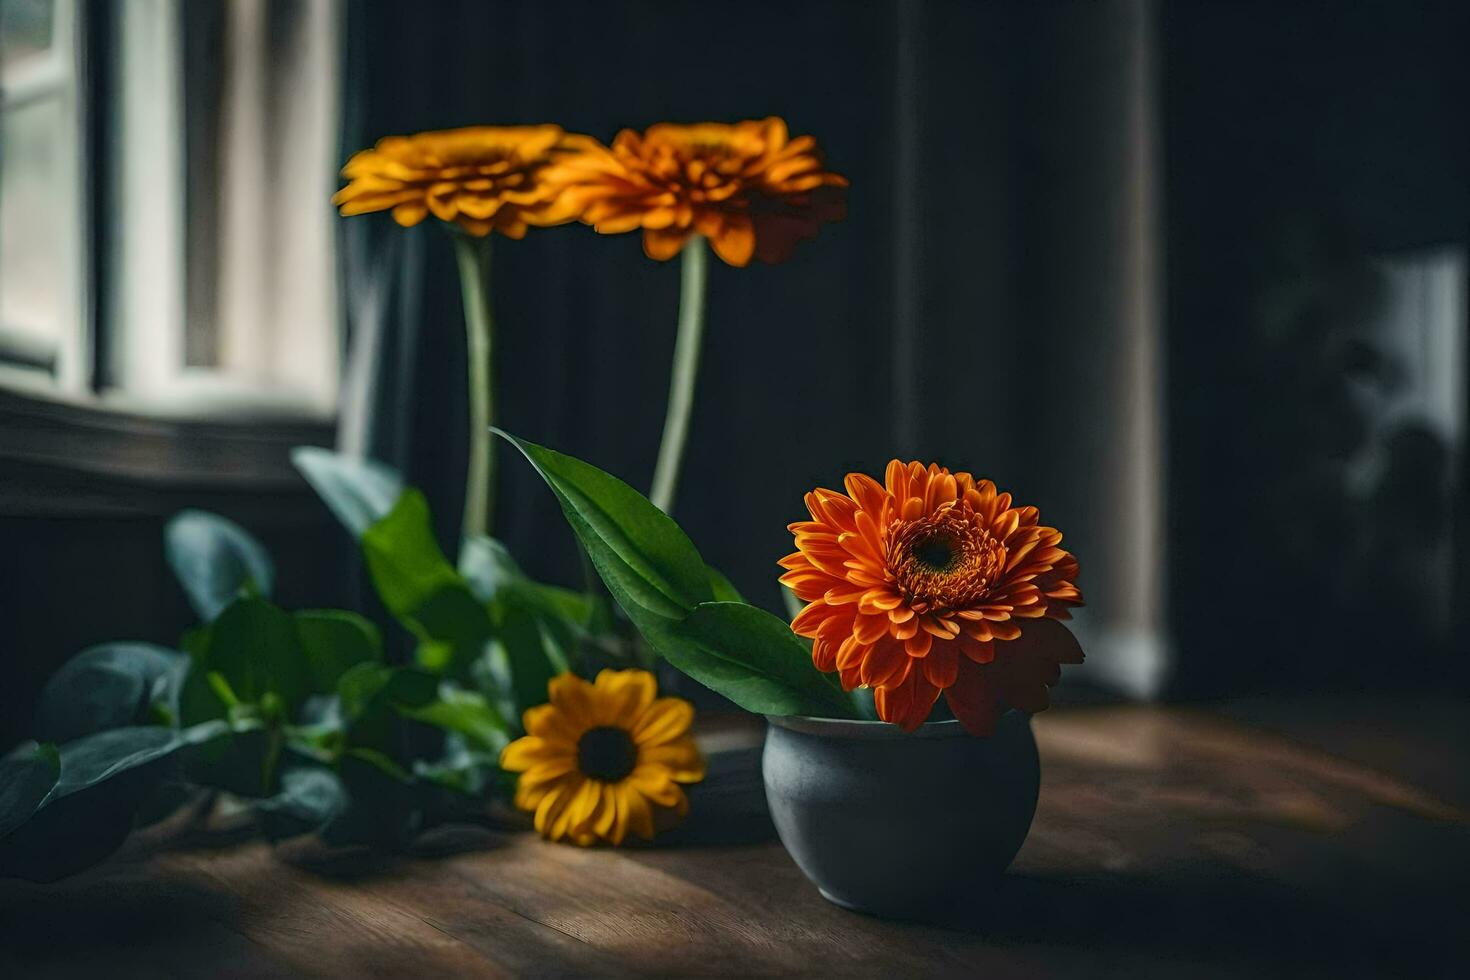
(1225, 918)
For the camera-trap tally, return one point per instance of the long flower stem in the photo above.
(686, 367)
(473, 255)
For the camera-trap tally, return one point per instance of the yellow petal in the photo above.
(579, 811)
(552, 805)
(604, 813)
(623, 695)
(640, 814)
(572, 697)
(665, 720)
(680, 758)
(531, 750)
(655, 784)
(546, 722)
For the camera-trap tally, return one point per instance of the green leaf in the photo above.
(215, 561)
(358, 492)
(487, 566)
(653, 571)
(561, 615)
(647, 561)
(373, 695)
(254, 646)
(110, 686)
(334, 640)
(383, 806)
(723, 589)
(310, 798)
(523, 646)
(752, 658)
(27, 777)
(102, 780)
(240, 761)
(467, 713)
(421, 589)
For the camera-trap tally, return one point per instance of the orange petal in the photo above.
(907, 704)
(735, 242)
(662, 245)
(974, 700)
(942, 664)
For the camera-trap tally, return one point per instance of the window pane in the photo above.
(34, 211)
(25, 30)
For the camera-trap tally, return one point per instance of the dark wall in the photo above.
(1301, 140)
(84, 498)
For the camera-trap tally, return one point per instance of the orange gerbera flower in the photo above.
(933, 582)
(747, 187)
(605, 759)
(482, 178)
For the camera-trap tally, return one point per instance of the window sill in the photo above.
(63, 455)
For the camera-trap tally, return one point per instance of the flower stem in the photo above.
(686, 367)
(473, 255)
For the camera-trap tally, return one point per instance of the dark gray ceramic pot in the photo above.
(901, 825)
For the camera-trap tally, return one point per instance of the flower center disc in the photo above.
(606, 753)
(948, 560)
(937, 552)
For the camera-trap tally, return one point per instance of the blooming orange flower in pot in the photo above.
(934, 582)
(748, 187)
(481, 178)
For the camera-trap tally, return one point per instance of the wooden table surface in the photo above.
(1240, 840)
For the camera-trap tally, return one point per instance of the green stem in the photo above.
(686, 367)
(473, 255)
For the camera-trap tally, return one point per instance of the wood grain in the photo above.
(1168, 842)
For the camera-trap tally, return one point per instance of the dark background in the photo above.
(973, 309)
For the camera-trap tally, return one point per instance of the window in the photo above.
(43, 281)
(208, 282)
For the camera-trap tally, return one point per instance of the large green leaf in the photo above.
(357, 491)
(254, 647)
(722, 587)
(86, 814)
(647, 561)
(334, 640)
(27, 777)
(215, 560)
(752, 658)
(421, 589)
(666, 589)
(110, 686)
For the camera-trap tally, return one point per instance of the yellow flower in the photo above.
(604, 760)
(482, 178)
(747, 187)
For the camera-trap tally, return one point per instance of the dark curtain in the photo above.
(985, 304)
(1069, 223)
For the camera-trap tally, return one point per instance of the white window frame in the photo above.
(148, 245)
(57, 75)
(277, 328)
